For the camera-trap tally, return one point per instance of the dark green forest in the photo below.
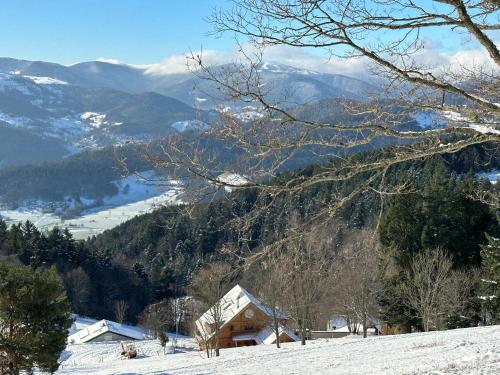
(154, 256)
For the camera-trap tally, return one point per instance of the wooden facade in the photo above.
(245, 321)
(250, 320)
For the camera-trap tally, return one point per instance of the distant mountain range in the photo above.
(301, 85)
(40, 114)
(49, 110)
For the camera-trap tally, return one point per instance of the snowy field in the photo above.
(465, 351)
(137, 195)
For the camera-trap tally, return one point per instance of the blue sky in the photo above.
(161, 32)
(133, 31)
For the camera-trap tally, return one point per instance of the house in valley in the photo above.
(243, 320)
(105, 330)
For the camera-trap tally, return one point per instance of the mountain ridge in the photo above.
(133, 79)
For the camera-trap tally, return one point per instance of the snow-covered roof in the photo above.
(266, 335)
(359, 329)
(79, 323)
(233, 302)
(103, 326)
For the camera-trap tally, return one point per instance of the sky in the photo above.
(133, 31)
(159, 33)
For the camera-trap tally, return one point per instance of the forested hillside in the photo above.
(153, 256)
(88, 174)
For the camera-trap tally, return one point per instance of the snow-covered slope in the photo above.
(84, 117)
(299, 85)
(138, 194)
(458, 352)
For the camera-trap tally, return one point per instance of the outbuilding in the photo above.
(105, 330)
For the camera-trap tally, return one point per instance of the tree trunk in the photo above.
(217, 352)
(365, 328)
(276, 330)
(217, 333)
(302, 329)
(425, 322)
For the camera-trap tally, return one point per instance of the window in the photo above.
(249, 314)
(248, 327)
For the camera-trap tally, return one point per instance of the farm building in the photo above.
(245, 321)
(105, 330)
(344, 326)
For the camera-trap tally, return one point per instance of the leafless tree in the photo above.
(209, 285)
(307, 265)
(389, 36)
(357, 286)
(178, 309)
(156, 317)
(491, 198)
(272, 288)
(433, 289)
(121, 309)
(78, 288)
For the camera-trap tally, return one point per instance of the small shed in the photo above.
(105, 330)
(341, 325)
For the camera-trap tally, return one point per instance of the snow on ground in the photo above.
(137, 195)
(182, 126)
(15, 121)
(8, 82)
(248, 113)
(232, 179)
(485, 129)
(439, 119)
(92, 221)
(472, 351)
(46, 80)
(94, 119)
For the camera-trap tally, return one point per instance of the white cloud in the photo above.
(295, 57)
(305, 59)
(432, 56)
(181, 63)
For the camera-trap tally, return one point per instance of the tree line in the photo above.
(153, 257)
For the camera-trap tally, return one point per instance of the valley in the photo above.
(137, 195)
(250, 187)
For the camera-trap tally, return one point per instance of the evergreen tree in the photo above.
(3, 232)
(34, 319)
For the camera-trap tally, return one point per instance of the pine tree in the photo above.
(34, 319)
(491, 257)
(3, 233)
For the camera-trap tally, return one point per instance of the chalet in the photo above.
(245, 321)
(105, 330)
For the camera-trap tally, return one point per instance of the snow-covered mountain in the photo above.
(287, 85)
(50, 110)
(40, 111)
(298, 85)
